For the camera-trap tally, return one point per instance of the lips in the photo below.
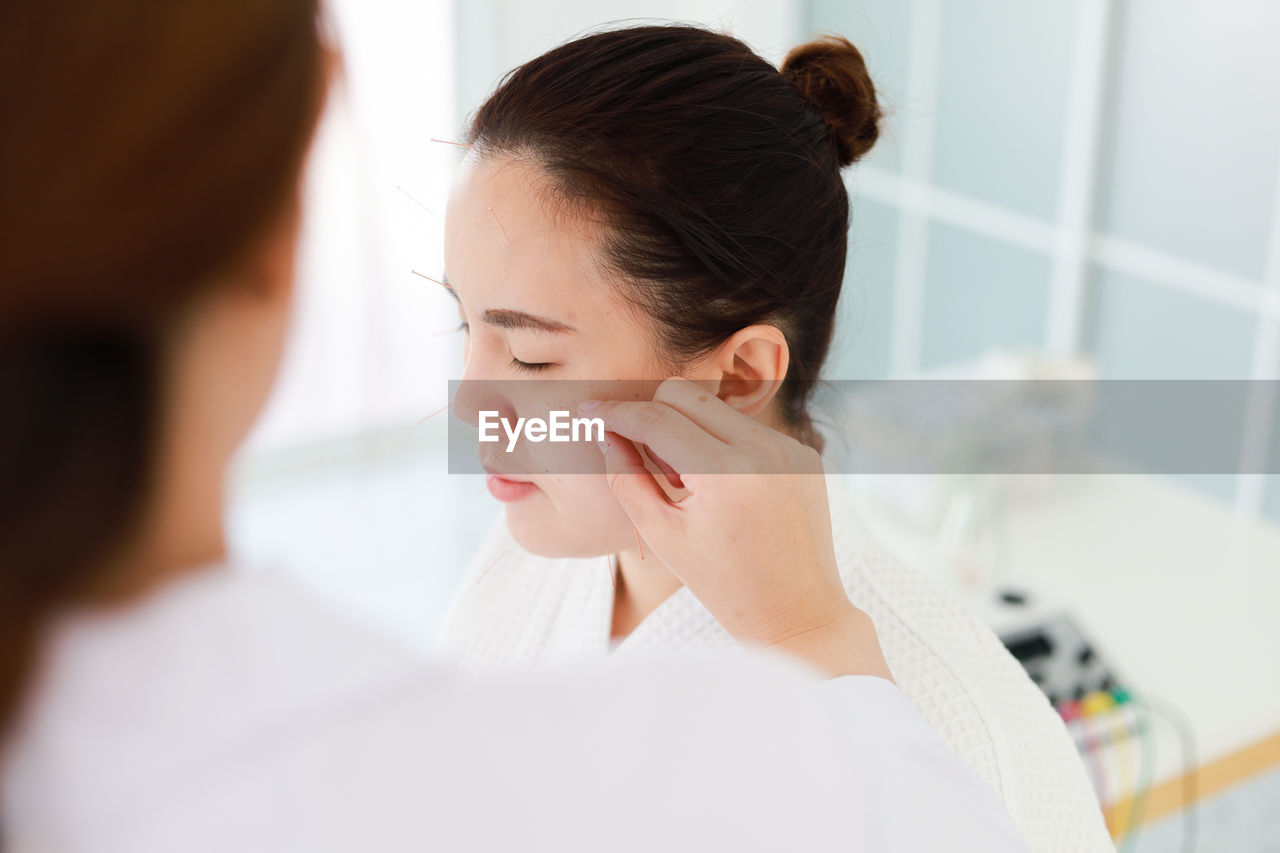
(509, 490)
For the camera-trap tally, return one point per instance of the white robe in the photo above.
(236, 713)
(526, 609)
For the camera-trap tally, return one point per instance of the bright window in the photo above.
(368, 346)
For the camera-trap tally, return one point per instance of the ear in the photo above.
(752, 365)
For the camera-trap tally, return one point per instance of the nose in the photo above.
(484, 385)
(473, 396)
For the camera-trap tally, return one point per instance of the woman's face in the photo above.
(539, 304)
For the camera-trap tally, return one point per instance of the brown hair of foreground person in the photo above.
(150, 148)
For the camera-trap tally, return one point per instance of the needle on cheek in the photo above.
(436, 412)
(639, 544)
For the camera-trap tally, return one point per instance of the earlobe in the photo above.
(752, 365)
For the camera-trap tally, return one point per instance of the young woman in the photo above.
(671, 203)
(155, 698)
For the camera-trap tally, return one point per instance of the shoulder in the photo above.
(718, 751)
(746, 753)
(908, 602)
(963, 681)
(154, 690)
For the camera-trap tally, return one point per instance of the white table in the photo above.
(1175, 590)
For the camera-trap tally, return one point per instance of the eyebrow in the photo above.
(505, 318)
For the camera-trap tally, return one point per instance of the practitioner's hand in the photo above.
(752, 539)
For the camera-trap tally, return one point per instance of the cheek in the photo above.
(575, 516)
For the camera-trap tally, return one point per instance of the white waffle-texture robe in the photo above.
(527, 610)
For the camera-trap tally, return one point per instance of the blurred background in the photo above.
(1065, 188)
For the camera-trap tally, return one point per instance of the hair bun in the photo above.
(831, 75)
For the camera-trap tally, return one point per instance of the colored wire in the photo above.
(1092, 747)
(1172, 715)
(1146, 777)
(1122, 747)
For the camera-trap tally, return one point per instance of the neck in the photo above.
(643, 582)
(181, 532)
(180, 526)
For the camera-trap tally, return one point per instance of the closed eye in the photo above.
(529, 366)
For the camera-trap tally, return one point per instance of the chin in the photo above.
(571, 517)
(542, 528)
(545, 532)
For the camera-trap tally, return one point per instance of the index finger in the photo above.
(667, 431)
(707, 410)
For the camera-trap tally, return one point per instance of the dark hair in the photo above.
(151, 146)
(718, 176)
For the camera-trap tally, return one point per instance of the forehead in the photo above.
(508, 240)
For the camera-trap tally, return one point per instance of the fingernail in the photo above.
(588, 405)
(604, 445)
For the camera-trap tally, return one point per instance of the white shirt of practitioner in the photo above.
(233, 712)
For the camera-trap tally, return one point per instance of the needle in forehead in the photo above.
(414, 200)
(499, 221)
(443, 284)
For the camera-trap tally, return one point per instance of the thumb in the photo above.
(634, 486)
